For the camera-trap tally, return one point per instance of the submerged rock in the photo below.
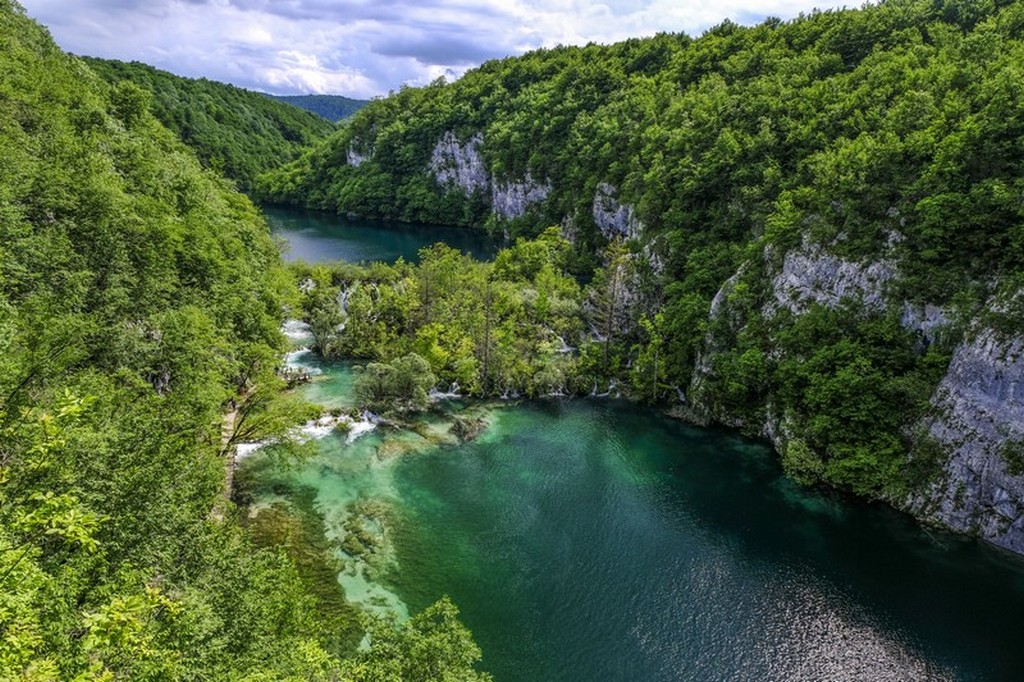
(468, 429)
(390, 448)
(365, 529)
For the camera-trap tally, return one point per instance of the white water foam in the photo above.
(315, 430)
(360, 428)
(297, 330)
(303, 359)
(451, 394)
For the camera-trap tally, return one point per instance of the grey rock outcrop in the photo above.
(981, 412)
(804, 276)
(812, 275)
(569, 230)
(699, 410)
(979, 403)
(612, 218)
(458, 164)
(354, 157)
(626, 295)
(925, 319)
(722, 295)
(512, 200)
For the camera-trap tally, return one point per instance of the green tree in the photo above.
(402, 385)
(432, 645)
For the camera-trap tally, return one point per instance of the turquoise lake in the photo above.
(318, 236)
(593, 540)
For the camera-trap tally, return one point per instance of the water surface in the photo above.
(594, 540)
(597, 541)
(318, 236)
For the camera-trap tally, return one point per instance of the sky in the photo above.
(364, 48)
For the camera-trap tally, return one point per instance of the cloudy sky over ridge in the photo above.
(363, 48)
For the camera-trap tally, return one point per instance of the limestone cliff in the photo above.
(457, 164)
(980, 421)
(355, 156)
(812, 275)
(614, 219)
(976, 426)
(461, 165)
(510, 200)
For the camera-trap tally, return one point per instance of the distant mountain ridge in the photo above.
(332, 107)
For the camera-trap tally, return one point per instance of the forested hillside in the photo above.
(331, 107)
(236, 132)
(816, 228)
(140, 304)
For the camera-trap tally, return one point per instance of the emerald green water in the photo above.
(589, 540)
(597, 541)
(318, 236)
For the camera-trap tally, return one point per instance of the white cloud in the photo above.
(364, 47)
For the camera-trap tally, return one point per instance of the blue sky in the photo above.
(363, 48)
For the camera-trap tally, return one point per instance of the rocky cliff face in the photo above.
(612, 218)
(926, 319)
(512, 199)
(458, 164)
(354, 157)
(461, 165)
(697, 408)
(978, 418)
(812, 275)
(980, 423)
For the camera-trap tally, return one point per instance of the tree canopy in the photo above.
(886, 134)
(235, 132)
(332, 107)
(140, 304)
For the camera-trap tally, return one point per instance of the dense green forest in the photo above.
(332, 107)
(236, 132)
(889, 135)
(487, 328)
(141, 297)
(140, 303)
